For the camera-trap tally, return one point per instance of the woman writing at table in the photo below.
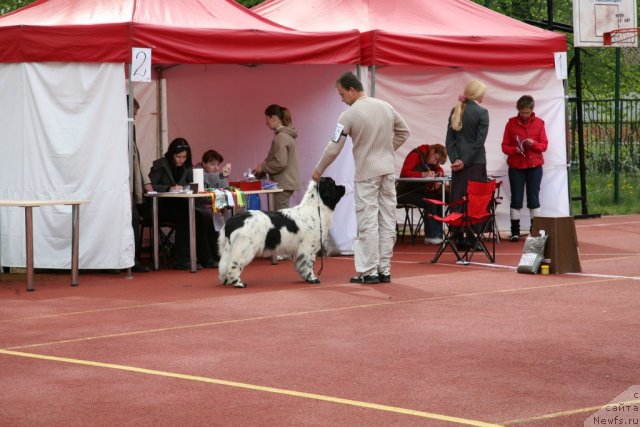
(171, 173)
(422, 162)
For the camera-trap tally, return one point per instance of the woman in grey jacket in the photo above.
(282, 161)
(466, 135)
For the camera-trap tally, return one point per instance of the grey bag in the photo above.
(532, 254)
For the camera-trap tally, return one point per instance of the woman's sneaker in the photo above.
(433, 240)
(515, 238)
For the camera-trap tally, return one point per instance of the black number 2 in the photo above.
(140, 71)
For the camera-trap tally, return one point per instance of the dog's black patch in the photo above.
(279, 221)
(330, 193)
(235, 222)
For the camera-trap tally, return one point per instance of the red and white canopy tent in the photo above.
(63, 119)
(447, 33)
(178, 31)
(422, 53)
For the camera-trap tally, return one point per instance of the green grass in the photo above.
(600, 194)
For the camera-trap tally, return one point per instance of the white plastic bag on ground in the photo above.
(532, 254)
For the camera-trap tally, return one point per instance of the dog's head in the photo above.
(330, 193)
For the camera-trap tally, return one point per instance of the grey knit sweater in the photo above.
(376, 130)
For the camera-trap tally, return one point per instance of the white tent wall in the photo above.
(425, 96)
(222, 107)
(61, 124)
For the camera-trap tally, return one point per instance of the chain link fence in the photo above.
(611, 154)
(612, 162)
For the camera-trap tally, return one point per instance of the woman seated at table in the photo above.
(215, 173)
(421, 162)
(215, 176)
(172, 172)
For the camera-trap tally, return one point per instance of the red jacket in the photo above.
(413, 165)
(517, 130)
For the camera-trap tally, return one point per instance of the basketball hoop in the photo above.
(624, 37)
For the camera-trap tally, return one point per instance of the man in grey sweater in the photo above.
(376, 131)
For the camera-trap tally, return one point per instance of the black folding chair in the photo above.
(166, 230)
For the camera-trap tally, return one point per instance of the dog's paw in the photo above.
(240, 284)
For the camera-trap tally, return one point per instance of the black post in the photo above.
(617, 135)
(583, 179)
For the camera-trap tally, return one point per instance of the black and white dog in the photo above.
(296, 232)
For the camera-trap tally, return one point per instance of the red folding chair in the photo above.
(473, 216)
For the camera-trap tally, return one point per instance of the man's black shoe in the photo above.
(385, 278)
(368, 279)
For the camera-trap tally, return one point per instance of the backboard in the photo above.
(593, 18)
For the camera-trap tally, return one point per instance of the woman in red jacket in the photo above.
(424, 161)
(523, 142)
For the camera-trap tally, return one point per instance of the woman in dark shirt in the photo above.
(172, 172)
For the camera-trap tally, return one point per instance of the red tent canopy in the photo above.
(449, 33)
(178, 31)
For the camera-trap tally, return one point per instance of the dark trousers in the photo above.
(459, 181)
(135, 223)
(207, 242)
(432, 228)
(521, 178)
(177, 212)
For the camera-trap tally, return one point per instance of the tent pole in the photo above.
(373, 81)
(160, 109)
(130, 123)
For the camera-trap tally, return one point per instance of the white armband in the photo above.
(338, 133)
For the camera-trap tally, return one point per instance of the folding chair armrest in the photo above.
(459, 202)
(434, 201)
(441, 203)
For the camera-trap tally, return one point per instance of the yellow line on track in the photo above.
(253, 387)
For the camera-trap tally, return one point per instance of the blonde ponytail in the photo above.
(456, 115)
(473, 91)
